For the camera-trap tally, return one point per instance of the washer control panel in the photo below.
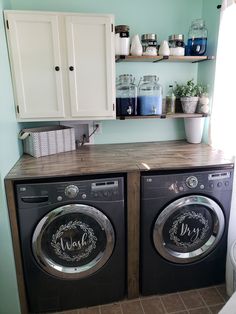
(32, 194)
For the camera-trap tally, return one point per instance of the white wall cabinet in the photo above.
(62, 65)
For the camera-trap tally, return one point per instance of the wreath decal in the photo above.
(173, 232)
(72, 225)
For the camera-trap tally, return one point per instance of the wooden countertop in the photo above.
(116, 158)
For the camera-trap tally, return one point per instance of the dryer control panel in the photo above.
(202, 181)
(109, 189)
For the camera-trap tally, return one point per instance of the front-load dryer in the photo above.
(184, 223)
(72, 235)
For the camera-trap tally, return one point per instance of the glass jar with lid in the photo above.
(122, 40)
(126, 95)
(149, 96)
(176, 44)
(197, 38)
(149, 44)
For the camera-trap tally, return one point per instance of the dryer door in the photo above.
(188, 229)
(73, 241)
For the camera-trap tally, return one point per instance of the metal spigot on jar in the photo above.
(126, 96)
(197, 38)
(149, 96)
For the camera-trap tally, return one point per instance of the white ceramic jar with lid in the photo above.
(122, 40)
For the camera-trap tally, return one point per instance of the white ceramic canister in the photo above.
(164, 49)
(194, 129)
(136, 48)
(122, 40)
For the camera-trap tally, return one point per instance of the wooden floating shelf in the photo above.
(165, 116)
(155, 59)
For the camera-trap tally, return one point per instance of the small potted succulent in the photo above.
(203, 103)
(189, 95)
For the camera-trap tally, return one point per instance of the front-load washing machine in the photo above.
(72, 235)
(184, 223)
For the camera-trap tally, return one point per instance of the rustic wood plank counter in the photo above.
(116, 158)
(129, 159)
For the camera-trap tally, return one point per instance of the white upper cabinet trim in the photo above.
(41, 41)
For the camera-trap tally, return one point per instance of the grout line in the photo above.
(163, 305)
(100, 309)
(141, 306)
(176, 312)
(204, 301)
(183, 302)
(224, 297)
(121, 308)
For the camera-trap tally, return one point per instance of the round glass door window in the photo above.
(188, 229)
(73, 241)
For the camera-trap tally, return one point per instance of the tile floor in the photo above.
(199, 301)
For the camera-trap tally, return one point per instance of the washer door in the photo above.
(188, 229)
(73, 241)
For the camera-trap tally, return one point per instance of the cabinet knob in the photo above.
(71, 68)
(57, 68)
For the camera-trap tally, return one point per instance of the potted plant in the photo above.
(189, 95)
(203, 103)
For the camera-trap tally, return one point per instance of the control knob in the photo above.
(192, 182)
(71, 191)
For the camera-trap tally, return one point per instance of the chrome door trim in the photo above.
(56, 269)
(218, 229)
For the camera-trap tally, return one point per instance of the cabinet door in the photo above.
(90, 44)
(36, 64)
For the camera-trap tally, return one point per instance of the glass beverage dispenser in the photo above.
(149, 96)
(126, 96)
(197, 38)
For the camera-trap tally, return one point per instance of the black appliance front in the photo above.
(72, 237)
(184, 223)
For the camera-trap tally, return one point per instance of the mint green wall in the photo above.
(9, 153)
(159, 16)
(206, 70)
(163, 17)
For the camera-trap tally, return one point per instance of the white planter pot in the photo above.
(189, 104)
(194, 129)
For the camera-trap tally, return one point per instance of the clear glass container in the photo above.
(149, 96)
(197, 38)
(126, 95)
(170, 101)
(149, 44)
(176, 44)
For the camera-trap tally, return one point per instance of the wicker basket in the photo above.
(49, 140)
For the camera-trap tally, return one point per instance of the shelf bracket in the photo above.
(120, 58)
(207, 59)
(162, 116)
(163, 58)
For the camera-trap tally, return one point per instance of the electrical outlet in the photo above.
(98, 126)
(83, 129)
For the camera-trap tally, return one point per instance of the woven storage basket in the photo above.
(49, 140)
